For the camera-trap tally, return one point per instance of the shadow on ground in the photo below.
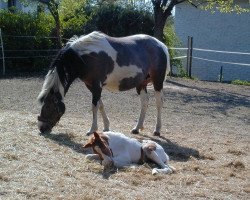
(65, 139)
(218, 99)
(175, 151)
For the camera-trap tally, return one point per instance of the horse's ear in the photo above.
(96, 135)
(88, 145)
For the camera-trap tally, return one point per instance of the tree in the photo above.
(53, 6)
(163, 10)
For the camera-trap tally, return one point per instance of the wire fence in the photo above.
(51, 53)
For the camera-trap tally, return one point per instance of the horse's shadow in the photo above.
(64, 139)
(174, 150)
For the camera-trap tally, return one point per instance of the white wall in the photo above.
(219, 31)
(19, 6)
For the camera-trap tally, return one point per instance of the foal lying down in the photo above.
(116, 149)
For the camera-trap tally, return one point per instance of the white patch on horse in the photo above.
(119, 73)
(94, 42)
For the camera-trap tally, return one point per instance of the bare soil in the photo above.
(206, 132)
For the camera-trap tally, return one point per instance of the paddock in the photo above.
(205, 131)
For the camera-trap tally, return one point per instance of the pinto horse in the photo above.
(101, 61)
(116, 149)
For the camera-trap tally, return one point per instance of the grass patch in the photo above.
(240, 82)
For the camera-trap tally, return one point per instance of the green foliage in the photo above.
(240, 82)
(171, 40)
(24, 24)
(224, 6)
(116, 20)
(73, 17)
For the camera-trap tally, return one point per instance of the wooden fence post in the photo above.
(189, 56)
(1, 46)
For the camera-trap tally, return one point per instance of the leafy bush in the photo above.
(171, 40)
(116, 20)
(240, 82)
(15, 29)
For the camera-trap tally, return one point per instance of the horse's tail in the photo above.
(166, 51)
(168, 62)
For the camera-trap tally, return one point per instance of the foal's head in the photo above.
(99, 144)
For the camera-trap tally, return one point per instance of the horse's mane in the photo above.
(51, 80)
(91, 38)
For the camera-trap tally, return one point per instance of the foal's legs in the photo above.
(159, 105)
(153, 155)
(144, 105)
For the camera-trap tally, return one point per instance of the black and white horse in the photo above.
(101, 61)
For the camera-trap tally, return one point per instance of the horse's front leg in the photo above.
(104, 116)
(96, 91)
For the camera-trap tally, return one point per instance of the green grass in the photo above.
(239, 82)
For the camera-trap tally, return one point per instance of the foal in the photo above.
(116, 149)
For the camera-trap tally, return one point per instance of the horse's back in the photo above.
(122, 63)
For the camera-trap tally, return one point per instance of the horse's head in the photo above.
(51, 98)
(100, 146)
(52, 110)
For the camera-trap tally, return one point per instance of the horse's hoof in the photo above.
(157, 133)
(135, 131)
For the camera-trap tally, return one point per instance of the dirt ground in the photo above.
(206, 132)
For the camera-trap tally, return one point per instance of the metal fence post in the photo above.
(1, 46)
(189, 56)
(221, 74)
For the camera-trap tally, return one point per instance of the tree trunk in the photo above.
(160, 18)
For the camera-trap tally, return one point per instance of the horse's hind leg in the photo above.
(104, 116)
(159, 105)
(144, 98)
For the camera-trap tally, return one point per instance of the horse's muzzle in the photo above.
(44, 127)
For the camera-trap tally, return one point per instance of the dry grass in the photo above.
(205, 131)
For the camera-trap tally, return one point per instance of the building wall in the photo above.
(218, 31)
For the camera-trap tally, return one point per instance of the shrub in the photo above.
(116, 20)
(15, 29)
(240, 82)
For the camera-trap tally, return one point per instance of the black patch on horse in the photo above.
(97, 65)
(130, 53)
(131, 82)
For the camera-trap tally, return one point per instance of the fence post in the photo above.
(189, 56)
(221, 74)
(1, 46)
